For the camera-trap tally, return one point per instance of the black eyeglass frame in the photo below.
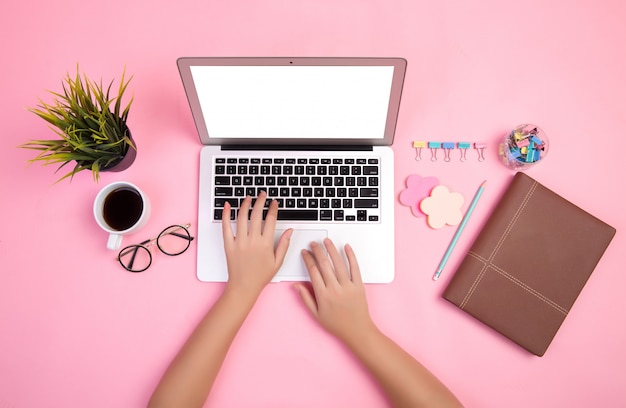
(145, 245)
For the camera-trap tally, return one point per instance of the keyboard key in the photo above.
(368, 192)
(338, 215)
(370, 170)
(326, 215)
(222, 181)
(223, 191)
(217, 214)
(298, 215)
(365, 203)
(220, 201)
(361, 215)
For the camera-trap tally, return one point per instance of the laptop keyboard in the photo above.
(307, 189)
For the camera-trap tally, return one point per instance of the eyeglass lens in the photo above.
(174, 240)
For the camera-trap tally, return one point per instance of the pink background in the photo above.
(78, 331)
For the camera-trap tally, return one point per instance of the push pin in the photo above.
(463, 146)
(433, 146)
(447, 147)
(418, 149)
(480, 147)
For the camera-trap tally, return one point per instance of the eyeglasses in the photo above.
(173, 240)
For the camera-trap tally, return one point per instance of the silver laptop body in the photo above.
(315, 133)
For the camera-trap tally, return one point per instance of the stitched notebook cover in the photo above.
(529, 263)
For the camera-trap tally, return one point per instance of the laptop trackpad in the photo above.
(293, 267)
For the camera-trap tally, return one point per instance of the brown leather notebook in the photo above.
(529, 263)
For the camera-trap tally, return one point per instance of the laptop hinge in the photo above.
(363, 148)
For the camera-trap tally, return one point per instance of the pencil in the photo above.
(459, 231)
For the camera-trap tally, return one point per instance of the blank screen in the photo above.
(279, 102)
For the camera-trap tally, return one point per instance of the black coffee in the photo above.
(122, 208)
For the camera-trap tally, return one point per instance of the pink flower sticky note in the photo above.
(417, 188)
(442, 207)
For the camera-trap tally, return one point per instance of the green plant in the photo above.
(91, 123)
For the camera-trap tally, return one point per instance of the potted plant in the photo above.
(92, 127)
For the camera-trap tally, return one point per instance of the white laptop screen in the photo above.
(293, 103)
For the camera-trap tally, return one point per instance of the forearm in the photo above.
(406, 382)
(189, 378)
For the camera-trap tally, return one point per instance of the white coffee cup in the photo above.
(120, 208)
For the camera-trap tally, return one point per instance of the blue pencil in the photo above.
(459, 231)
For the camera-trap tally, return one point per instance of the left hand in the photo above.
(250, 255)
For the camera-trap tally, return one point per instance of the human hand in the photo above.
(250, 255)
(338, 300)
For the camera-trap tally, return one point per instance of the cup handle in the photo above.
(114, 242)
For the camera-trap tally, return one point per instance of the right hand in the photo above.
(338, 300)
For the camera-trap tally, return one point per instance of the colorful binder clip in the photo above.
(463, 147)
(480, 147)
(447, 147)
(418, 145)
(433, 146)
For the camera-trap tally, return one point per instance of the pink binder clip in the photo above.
(480, 147)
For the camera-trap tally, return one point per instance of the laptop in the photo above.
(315, 134)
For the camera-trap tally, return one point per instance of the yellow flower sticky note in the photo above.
(442, 207)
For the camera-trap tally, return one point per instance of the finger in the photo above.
(227, 229)
(307, 298)
(355, 271)
(270, 219)
(325, 267)
(314, 272)
(242, 217)
(339, 265)
(256, 218)
(282, 247)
